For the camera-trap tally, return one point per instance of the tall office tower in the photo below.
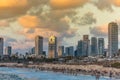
(94, 47)
(8, 50)
(61, 51)
(33, 50)
(1, 46)
(86, 45)
(38, 45)
(80, 48)
(69, 51)
(101, 46)
(52, 52)
(112, 38)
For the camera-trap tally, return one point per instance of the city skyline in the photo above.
(85, 46)
(92, 46)
(21, 21)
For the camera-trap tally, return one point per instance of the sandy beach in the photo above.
(95, 70)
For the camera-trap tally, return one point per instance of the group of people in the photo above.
(75, 71)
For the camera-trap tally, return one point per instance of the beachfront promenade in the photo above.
(70, 69)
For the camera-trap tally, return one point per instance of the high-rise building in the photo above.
(52, 52)
(38, 45)
(33, 50)
(1, 46)
(101, 46)
(61, 51)
(8, 50)
(94, 47)
(86, 45)
(69, 51)
(80, 48)
(75, 53)
(112, 38)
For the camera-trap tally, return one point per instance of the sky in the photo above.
(69, 20)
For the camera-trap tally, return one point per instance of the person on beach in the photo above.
(110, 75)
(97, 75)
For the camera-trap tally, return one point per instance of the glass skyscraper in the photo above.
(38, 45)
(69, 51)
(80, 48)
(52, 50)
(61, 51)
(112, 38)
(101, 46)
(94, 47)
(1, 46)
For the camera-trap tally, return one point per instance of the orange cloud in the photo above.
(63, 4)
(13, 3)
(4, 23)
(29, 21)
(99, 30)
(103, 29)
(13, 8)
(116, 2)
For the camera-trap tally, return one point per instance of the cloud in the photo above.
(58, 14)
(4, 23)
(65, 4)
(12, 8)
(12, 3)
(35, 22)
(37, 2)
(29, 21)
(60, 28)
(106, 4)
(86, 19)
(115, 2)
(103, 5)
(99, 31)
(70, 33)
(16, 8)
(48, 19)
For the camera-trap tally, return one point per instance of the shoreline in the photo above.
(93, 70)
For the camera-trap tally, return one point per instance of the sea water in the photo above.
(32, 74)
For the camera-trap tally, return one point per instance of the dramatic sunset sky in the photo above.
(22, 20)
